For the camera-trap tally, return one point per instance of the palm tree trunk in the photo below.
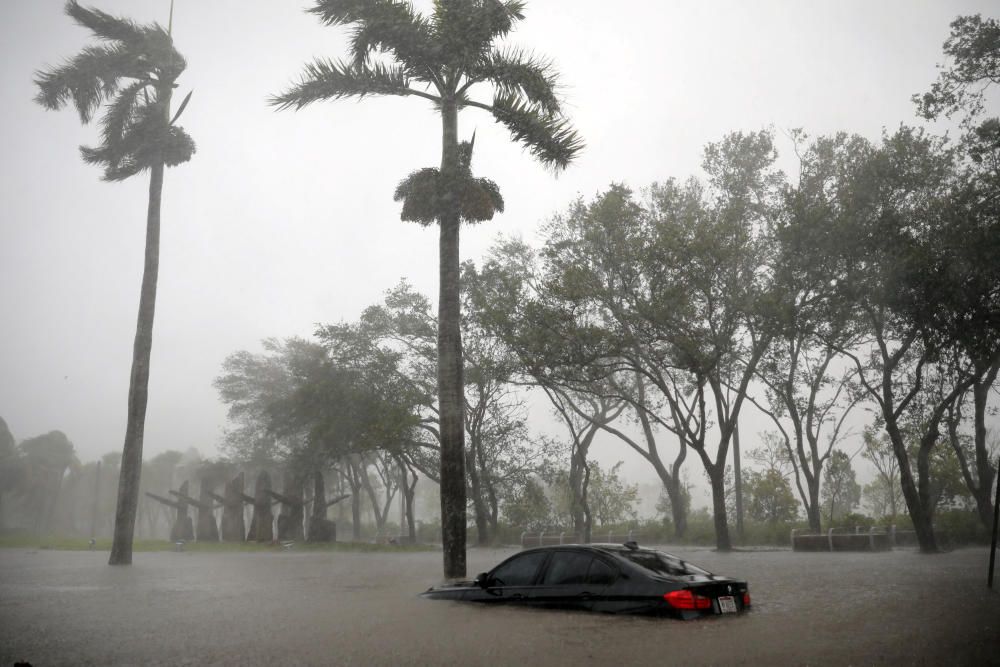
(450, 385)
(138, 391)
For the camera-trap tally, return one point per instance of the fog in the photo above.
(284, 220)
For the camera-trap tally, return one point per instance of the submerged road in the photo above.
(327, 608)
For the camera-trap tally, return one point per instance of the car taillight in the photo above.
(685, 599)
(746, 599)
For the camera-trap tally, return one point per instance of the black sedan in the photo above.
(615, 578)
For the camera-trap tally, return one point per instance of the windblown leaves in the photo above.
(132, 74)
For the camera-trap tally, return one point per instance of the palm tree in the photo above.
(134, 70)
(441, 58)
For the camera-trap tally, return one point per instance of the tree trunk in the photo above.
(738, 480)
(716, 476)
(410, 492)
(678, 505)
(97, 496)
(812, 507)
(354, 481)
(478, 504)
(450, 385)
(138, 391)
(918, 514)
(984, 467)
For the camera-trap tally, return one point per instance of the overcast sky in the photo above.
(283, 220)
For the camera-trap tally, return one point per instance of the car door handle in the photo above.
(516, 596)
(585, 594)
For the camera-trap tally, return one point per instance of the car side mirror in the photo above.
(482, 580)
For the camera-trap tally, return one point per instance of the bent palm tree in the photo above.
(134, 69)
(441, 58)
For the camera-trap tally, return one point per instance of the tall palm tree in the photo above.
(441, 58)
(133, 70)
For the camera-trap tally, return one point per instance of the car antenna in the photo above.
(632, 545)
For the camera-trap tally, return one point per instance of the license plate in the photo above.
(727, 604)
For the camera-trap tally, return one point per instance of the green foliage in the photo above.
(770, 497)
(840, 492)
(527, 506)
(449, 52)
(133, 70)
(611, 499)
(973, 50)
(6, 440)
(961, 526)
(51, 451)
(883, 495)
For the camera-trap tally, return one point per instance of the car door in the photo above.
(601, 577)
(513, 581)
(564, 583)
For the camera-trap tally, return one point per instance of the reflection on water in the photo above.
(351, 608)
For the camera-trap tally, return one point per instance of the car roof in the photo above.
(606, 548)
(609, 546)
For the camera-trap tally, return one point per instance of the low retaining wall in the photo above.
(834, 541)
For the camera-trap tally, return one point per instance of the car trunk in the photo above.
(718, 590)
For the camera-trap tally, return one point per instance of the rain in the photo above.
(310, 309)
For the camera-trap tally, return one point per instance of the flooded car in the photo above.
(612, 578)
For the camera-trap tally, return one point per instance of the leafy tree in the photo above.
(11, 469)
(963, 87)
(527, 506)
(449, 53)
(809, 396)
(895, 253)
(46, 458)
(973, 50)
(884, 494)
(515, 308)
(255, 386)
(134, 69)
(499, 452)
(770, 497)
(665, 503)
(841, 492)
(613, 500)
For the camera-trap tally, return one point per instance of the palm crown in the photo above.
(134, 70)
(441, 58)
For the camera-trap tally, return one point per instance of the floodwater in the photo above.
(326, 608)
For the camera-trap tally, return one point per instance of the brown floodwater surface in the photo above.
(335, 608)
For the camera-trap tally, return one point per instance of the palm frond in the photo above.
(87, 80)
(120, 113)
(504, 16)
(330, 79)
(393, 27)
(464, 30)
(340, 12)
(550, 138)
(145, 141)
(105, 26)
(517, 73)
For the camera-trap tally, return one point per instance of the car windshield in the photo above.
(660, 563)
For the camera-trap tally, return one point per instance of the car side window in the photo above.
(601, 573)
(519, 570)
(567, 567)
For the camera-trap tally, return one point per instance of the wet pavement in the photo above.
(338, 608)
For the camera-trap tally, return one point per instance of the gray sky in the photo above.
(283, 220)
